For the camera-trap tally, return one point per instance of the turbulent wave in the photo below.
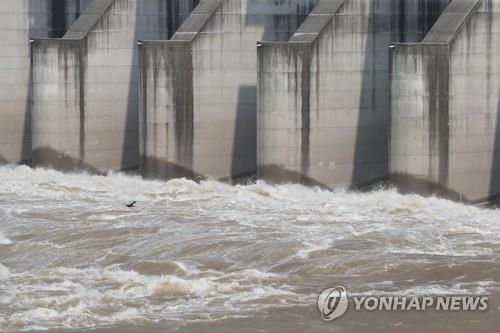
(72, 255)
(3, 239)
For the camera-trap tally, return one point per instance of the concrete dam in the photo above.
(322, 92)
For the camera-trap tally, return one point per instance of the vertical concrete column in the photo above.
(21, 20)
(57, 68)
(99, 131)
(284, 110)
(445, 129)
(324, 96)
(14, 81)
(198, 116)
(164, 66)
(420, 104)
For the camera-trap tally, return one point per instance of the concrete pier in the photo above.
(323, 92)
(20, 20)
(323, 112)
(198, 90)
(445, 133)
(85, 85)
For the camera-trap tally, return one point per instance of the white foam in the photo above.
(4, 272)
(310, 248)
(239, 248)
(83, 292)
(4, 240)
(479, 288)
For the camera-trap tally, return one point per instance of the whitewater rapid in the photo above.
(72, 255)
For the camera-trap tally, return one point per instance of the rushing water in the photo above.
(72, 256)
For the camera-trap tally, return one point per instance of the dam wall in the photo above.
(322, 92)
(85, 84)
(199, 89)
(445, 133)
(324, 101)
(21, 20)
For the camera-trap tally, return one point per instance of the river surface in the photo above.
(211, 257)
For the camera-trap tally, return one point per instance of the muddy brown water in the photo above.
(211, 257)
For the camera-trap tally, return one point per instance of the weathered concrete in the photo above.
(323, 112)
(86, 84)
(445, 135)
(198, 106)
(20, 20)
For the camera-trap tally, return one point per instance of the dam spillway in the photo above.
(327, 123)
(20, 20)
(324, 92)
(85, 85)
(445, 134)
(199, 103)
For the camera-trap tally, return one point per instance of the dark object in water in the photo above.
(132, 204)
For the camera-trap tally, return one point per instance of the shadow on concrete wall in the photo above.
(370, 166)
(362, 173)
(63, 14)
(283, 25)
(177, 11)
(246, 118)
(495, 168)
(130, 153)
(58, 19)
(26, 146)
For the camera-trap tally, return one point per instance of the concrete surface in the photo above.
(198, 106)
(20, 20)
(445, 136)
(323, 112)
(245, 85)
(86, 84)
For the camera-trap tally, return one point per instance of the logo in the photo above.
(333, 303)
